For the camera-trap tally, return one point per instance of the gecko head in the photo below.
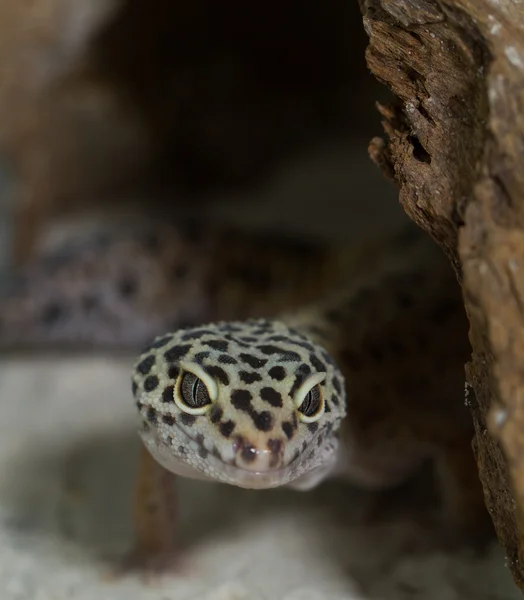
(252, 403)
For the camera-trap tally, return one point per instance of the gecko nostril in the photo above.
(244, 449)
(249, 453)
(255, 458)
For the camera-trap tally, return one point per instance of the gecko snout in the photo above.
(265, 455)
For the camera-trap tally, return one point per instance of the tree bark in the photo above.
(455, 148)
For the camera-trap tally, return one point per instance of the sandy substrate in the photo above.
(67, 450)
(67, 458)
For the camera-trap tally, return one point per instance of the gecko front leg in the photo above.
(156, 520)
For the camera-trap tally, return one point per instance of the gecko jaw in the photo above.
(213, 467)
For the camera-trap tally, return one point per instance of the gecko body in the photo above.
(270, 362)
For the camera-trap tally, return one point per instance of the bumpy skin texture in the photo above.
(382, 324)
(251, 433)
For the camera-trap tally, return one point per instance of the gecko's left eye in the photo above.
(193, 396)
(309, 399)
(312, 403)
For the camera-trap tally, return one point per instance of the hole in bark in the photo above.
(419, 152)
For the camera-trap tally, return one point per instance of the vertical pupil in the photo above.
(307, 402)
(311, 402)
(195, 391)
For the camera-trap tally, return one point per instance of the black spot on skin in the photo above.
(201, 356)
(249, 377)
(226, 428)
(151, 415)
(327, 358)
(219, 345)
(167, 394)
(134, 387)
(336, 385)
(175, 353)
(219, 373)
(275, 447)
(52, 314)
(202, 452)
(150, 383)
(334, 399)
(253, 361)
(317, 364)
(182, 450)
(187, 420)
(327, 408)
(302, 372)
(169, 420)
(127, 287)
(277, 373)
(215, 414)
(304, 446)
(241, 400)
(173, 372)
(159, 343)
(230, 328)
(284, 355)
(180, 272)
(306, 345)
(249, 339)
(313, 427)
(296, 454)
(294, 420)
(277, 338)
(196, 334)
(272, 396)
(226, 359)
(263, 421)
(288, 429)
(145, 365)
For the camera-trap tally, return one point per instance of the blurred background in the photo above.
(255, 114)
(258, 113)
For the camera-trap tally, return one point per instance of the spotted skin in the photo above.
(382, 323)
(118, 289)
(252, 434)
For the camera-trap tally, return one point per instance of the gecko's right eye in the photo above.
(193, 396)
(309, 399)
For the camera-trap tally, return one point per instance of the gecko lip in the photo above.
(219, 470)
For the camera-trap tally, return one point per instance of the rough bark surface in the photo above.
(455, 147)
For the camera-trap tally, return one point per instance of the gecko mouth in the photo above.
(214, 468)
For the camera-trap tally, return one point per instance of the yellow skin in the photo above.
(368, 342)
